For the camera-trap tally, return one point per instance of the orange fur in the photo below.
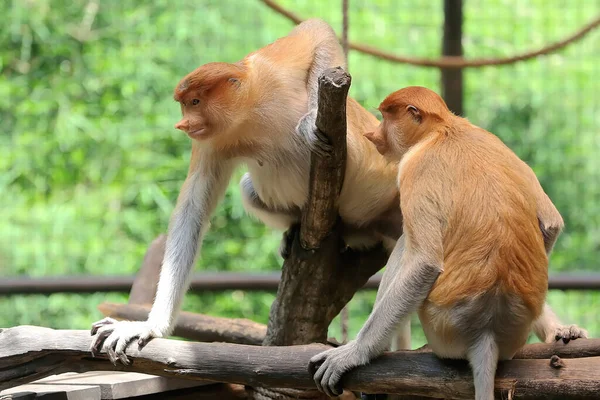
(480, 192)
(251, 107)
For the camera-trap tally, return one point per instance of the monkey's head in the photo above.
(409, 115)
(211, 100)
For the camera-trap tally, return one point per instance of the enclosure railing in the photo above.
(220, 281)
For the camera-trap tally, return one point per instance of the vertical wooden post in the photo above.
(452, 78)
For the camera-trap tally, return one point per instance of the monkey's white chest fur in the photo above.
(281, 185)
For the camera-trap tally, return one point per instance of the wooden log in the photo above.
(29, 353)
(198, 327)
(317, 281)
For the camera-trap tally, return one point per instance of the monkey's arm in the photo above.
(201, 191)
(326, 54)
(405, 291)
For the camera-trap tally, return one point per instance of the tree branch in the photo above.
(317, 281)
(202, 328)
(327, 173)
(29, 353)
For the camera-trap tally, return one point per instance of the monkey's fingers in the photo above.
(110, 346)
(120, 348)
(316, 361)
(331, 381)
(99, 324)
(328, 377)
(102, 334)
(144, 339)
(570, 332)
(315, 368)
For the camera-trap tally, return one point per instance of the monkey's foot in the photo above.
(318, 142)
(285, 247)
(569, 332)
(327, 368)
(114, 336)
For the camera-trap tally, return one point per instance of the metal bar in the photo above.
(219, 281)
(452, 78)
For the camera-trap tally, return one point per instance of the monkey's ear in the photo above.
(415, 113)
(235, 82)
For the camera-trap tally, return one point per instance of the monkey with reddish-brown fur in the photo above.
(471, 259)
(261, 112)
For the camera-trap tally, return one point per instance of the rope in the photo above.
(453, 61)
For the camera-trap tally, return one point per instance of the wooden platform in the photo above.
(98, 385)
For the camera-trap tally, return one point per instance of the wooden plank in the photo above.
(54, 387)
(105, 385)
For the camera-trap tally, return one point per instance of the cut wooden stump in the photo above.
(29, 353)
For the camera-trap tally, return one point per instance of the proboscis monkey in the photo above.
(261, 112)
(471, 259)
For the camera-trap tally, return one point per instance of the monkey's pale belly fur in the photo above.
(285, 187)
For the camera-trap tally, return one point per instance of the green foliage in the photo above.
(90, 164)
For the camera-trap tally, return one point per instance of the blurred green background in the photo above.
(90, 164)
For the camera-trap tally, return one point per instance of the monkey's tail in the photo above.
(483, 357)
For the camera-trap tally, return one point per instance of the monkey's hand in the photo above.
(327, 368)
(569, 332)
(114, 336)
(318, 142)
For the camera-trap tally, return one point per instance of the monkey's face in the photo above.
(210, 101)
(207, 114)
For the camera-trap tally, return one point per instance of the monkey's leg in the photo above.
(402, 335)
(548, 328)
(286, 220)
(404, 293)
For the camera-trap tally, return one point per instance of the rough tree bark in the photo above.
(317, 278)
(539, 371)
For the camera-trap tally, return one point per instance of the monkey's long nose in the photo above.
(183, 125)
(369, 135)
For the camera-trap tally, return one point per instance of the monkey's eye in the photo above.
(195, 102)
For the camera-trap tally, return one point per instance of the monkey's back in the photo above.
(495, 265)
(492, 241)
